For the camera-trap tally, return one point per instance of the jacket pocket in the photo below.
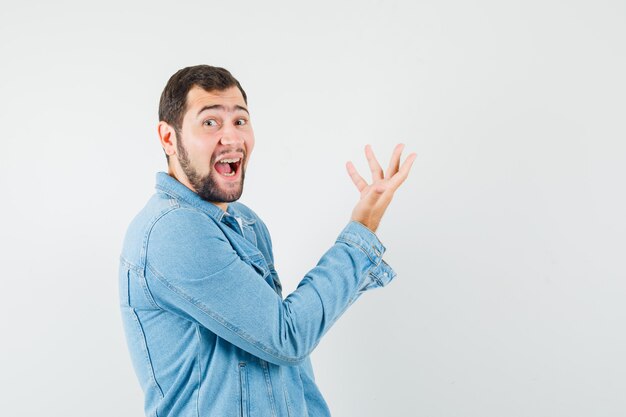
(244, 396)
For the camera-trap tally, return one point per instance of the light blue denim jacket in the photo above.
(208, 331)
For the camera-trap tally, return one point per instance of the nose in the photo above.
(230, 136)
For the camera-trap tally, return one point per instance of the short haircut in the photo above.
(173, 101)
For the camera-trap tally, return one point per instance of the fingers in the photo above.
(396, 174)
(377, 171)
(356, 178)
(404, 170)
(394, 164)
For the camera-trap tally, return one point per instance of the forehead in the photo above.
(198, 97)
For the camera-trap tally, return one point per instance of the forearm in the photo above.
(353, 265)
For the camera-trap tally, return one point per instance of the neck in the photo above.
(223, 206)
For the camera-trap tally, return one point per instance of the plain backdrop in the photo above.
(508, 238)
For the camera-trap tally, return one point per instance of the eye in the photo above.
(210, 122)
(241, 122)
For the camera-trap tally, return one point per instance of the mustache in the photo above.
(239, 150)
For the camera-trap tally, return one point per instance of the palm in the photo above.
(375, 197)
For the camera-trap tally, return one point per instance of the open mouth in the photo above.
(228, 167)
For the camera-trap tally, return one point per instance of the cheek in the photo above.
(201, 153)
(204, 147)
(249, 144)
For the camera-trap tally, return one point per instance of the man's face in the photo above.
(214, 144)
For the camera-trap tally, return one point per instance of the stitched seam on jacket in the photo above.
(199, 371)
(143, 257)
(144, 344)
(268, 384)
(352, 243)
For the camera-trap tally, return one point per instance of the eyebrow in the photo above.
(221, 107)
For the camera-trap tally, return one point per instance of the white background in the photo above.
(508, 238)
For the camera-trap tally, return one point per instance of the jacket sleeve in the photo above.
(193, 271)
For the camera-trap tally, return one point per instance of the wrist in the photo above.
(372, 226)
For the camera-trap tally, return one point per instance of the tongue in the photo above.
(223, 168)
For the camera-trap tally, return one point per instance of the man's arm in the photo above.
(193, 271)
(205, 280)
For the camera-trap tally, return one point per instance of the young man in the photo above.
(207, 328)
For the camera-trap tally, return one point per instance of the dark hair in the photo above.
(173, 101)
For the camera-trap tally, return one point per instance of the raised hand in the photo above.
(375, 197)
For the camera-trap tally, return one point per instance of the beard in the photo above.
(207, 186)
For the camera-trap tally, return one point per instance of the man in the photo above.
(207, 328)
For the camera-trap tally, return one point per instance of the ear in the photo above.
(167, 136)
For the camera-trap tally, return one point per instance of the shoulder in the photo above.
(142, 224)
(187, 243)
(184, 223)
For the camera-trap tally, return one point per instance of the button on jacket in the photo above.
(208, 331)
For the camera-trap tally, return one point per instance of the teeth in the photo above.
(228, 161)
(229, 175)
